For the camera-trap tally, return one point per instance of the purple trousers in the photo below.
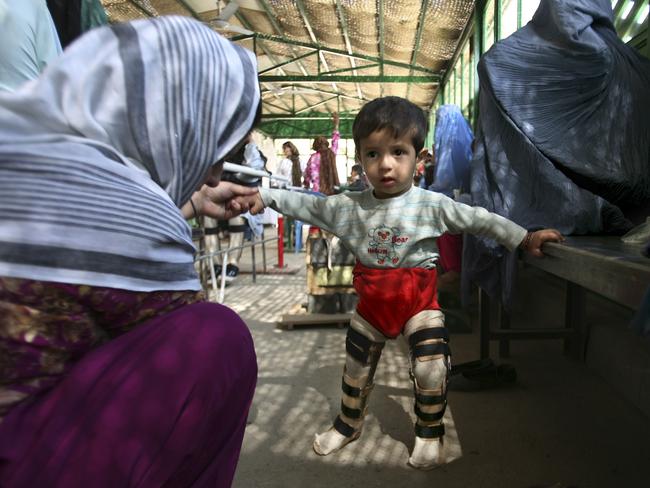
(162, 405)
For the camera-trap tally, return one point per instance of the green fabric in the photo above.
(92, 15)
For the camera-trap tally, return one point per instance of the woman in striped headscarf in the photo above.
(113, 370)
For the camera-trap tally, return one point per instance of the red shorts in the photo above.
(389, 297)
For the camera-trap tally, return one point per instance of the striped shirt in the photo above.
(397, 232)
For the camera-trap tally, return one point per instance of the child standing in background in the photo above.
(392, 230)
(358, 181)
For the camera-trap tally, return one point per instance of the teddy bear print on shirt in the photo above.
(384, 242)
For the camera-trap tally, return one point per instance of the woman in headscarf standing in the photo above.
(113, 369)
(321, 174)
(291, 166)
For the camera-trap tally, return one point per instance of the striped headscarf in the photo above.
(99, 153)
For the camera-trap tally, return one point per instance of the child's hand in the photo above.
(533, 241)
(253, 203)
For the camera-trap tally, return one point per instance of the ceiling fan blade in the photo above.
(225, 26)
(228, 11)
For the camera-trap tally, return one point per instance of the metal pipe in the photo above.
(237, 168)
(243, 246)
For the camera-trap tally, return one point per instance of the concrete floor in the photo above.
(560, 426)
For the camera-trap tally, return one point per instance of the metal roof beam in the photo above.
(312, 36)
(625, 25)
(618, 8)
(189, 9)
(432, 80)
(380, 32)
(418, 39)
(266, 102)
(335, 97)
(284, 63)
(320, 90)
(271, 17)
(318, 47)
(297, 131)
(305, 117)
(346, 38)
(353, 69)
(271, 57)
(469, 28)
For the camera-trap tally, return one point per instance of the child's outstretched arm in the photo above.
(320, 211)
(533, 241)
(458, 217)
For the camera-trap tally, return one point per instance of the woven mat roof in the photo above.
(321, 56)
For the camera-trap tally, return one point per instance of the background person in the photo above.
(28, 41)
(357, 181)
(292, 168)
(321, 174)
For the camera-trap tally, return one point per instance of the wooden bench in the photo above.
(289, 321)
(601, 264)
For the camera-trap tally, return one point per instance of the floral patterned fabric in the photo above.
(46, 327)
(311, 174)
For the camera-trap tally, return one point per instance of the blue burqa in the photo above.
(453, 144)
(563, 133)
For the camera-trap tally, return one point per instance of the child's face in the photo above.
(389, 162)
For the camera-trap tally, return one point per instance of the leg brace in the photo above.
(429, 373)
(360, 365)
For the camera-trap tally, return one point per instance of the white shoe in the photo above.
(331, 441)
(426, 454)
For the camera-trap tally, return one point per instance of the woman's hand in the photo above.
(533, 241)
(222, 202)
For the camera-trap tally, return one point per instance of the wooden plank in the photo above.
(289, 321)
(520, 334)
(603, 265)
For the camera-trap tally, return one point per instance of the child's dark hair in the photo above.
(393, 113)
(358, 169)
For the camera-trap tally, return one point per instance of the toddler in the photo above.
(392, 229)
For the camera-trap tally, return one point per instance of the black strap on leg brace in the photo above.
(420, 350)
(355, 392)
(430, 432)
(343, 428)
(361, 348)
(239, 228)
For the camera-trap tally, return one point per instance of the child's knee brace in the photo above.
(429, 371)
